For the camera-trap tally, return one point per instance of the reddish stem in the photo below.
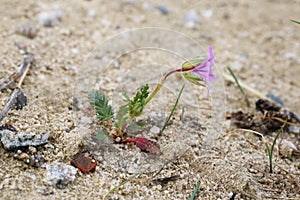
(129, 140)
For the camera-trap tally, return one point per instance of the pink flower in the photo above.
(204, 69)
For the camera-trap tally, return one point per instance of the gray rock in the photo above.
(12, 140)
(162, 9)
(294, 129)
(60, 174)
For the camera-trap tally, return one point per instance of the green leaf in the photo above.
(173, 109)
(126, 98)
(235, 79)
(297, 22)
(137, 104)
(195, 190)
(135, 127)
(193, 78)
(134, 107)
(103, 136)
(192, 63)
(100, 103)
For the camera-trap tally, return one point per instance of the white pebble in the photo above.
(191, 19)
(155, 130)
(50, 18)
(207, 13)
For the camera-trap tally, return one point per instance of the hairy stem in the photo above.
(163, 79)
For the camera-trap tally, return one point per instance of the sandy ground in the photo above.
(85, 49)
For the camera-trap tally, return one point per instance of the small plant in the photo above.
(197, 71)
(194, 194)
(270, 151)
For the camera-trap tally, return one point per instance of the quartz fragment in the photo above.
(60, 174)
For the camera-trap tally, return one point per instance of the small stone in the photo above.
(129, 1)
(155, 130)
(148, 6)
(230, 195)
(191, 19)
(85, 164)
(75, 50)
(27, 30)
(287, 149)
(236, 66)
(32, 150)
(275, 98)
(294, 129)
(45, 191)
(12, 140)
(106, 22)
(60, 174)
(50, 18)
(91, 13)
(20, 101)
(207, 13)
(162, 9)
(24, 156)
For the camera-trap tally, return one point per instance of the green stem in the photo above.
(270, 151)
(236, 80)
(162, 80)
(173, 109)
(195, 190)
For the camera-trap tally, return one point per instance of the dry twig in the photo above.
(18, 78)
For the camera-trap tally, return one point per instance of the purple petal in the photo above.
(204, 69)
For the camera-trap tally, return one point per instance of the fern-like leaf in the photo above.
(137, 104)
(100, 103)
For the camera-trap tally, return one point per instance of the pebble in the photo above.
(287, 149)
(106, 22)
(294, 129)
(20, 101)
(129, 1)
(207, 13)
(162, 9)
(50, 18)
(236, 66)
(24, 156)
(85, 164)
(155, 130)
(60, 174)
(45, 191)
(191, 19)
(27, 30)
(148, 6)
(32, 149)
(91, 13)
(12, 140)
(275, 98)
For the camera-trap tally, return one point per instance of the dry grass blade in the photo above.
(19, 75)
(249, 89)
(10, 103)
